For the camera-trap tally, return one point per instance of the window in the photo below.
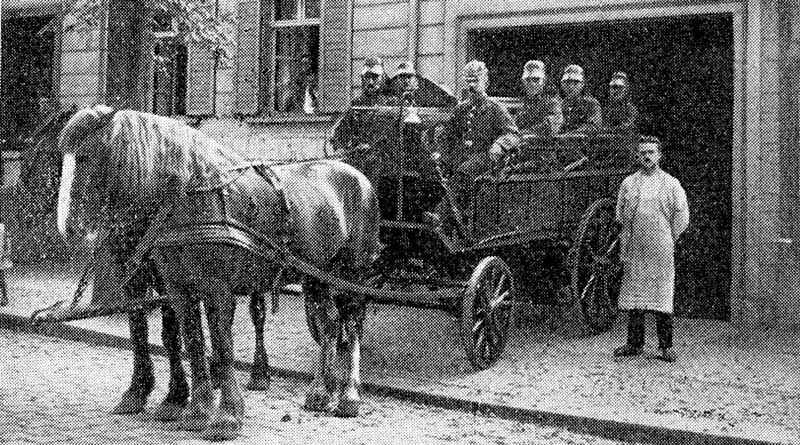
(295, 35)
(169, 70)
(292, 56)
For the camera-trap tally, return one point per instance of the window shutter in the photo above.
(201, 81)
(334, 82)
(248, 15)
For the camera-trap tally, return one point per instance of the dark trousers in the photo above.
(636, 328)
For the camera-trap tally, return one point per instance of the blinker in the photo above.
(411, 116)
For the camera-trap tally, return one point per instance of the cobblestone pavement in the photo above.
(732, 381)
(55, 391)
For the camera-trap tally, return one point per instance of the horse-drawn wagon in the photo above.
(540, 227)
(209, 223)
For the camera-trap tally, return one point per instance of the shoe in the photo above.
(667, 355)
(627, 351)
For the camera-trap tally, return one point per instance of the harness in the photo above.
(153, 237)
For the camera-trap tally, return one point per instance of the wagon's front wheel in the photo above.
(486, 312)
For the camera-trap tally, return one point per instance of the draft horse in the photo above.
(38, 188)
(223, 224)
(39, 182)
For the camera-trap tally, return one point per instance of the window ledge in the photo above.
(294, 118)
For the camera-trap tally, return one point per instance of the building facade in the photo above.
(716, 80)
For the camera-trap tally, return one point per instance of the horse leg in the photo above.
(178, 395)
(226, 423)
(322, 312)
(259, 373)
(143, 379)
(197, 413)
(351, 316)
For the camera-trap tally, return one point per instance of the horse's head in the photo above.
(81, 143)
(40, 168)
(122, 162)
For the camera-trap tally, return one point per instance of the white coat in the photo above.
(653, 211)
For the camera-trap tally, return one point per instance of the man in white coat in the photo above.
(653, 212)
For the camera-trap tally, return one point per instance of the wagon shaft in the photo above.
(63, 312)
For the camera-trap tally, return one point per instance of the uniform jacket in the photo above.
(653, 212)
(541, 115)
(582, 114)
(620, 116)
(363, 100)
(347, 134)
(474, 128)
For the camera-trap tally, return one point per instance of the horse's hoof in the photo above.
(317, 401)
(348, 408)
(168, 411)
(223, 427)
(258, 383)
(132, 403)
(194, 419)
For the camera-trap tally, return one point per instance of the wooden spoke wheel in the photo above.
(486, 311)
(595, 269)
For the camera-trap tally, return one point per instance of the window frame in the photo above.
(165, 39)
(268, 51)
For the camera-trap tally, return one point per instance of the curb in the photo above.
(609, 429)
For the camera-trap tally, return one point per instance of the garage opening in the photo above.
(681, 73)
(27, 82)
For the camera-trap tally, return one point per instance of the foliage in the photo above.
(196, 21)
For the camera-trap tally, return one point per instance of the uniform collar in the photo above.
(535, 99)
(480, 105)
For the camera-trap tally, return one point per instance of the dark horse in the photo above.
(216, 238)
(37, 192)
(39, 181)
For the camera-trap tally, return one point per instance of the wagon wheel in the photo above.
(486, 312)
(594, 265)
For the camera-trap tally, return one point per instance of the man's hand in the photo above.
(436, 156)
(362, 147)
(496, 152)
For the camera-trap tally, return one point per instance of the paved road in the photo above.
(55, 391)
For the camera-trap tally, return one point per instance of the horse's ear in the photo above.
(104, 114)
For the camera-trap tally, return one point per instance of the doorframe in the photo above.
(461, 18)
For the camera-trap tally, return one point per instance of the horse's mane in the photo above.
(146, 157)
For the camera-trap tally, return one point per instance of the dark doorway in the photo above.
(681, 70)
(27, 83)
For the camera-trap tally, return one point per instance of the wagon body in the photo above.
(526, 212)
(540, 227)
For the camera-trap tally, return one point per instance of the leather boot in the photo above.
(627, 351)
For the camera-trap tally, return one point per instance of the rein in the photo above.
(58, 311)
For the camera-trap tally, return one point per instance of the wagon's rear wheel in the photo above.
(594, 265)
(486, 312)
